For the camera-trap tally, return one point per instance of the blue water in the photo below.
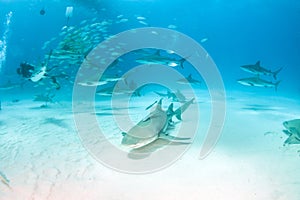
(238, 32)
(233, 33)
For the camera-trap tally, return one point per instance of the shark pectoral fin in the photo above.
(171, 137)
(288, 133)
(292, 140)
(146, 151)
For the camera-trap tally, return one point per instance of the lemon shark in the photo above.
(259, 70)
(153, 127)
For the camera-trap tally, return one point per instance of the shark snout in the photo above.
(129, 141)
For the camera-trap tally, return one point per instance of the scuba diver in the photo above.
(25, 70)
(30, 72)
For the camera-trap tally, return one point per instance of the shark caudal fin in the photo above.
(181, 109)
(276, 85)
(276, 72)
(181, 61)
(170, 110)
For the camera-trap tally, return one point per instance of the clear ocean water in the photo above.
(78, 76)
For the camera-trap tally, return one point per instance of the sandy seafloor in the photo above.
(43, 157)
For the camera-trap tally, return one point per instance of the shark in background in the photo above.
(258, 82)
(150, 133)
(189, 80)
(157, 58)
(174, 96)
(259, 70)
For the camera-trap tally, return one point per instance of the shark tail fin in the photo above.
(276, 85)
(178, 114)
(181, 61)
(180, 110)
(276, 72)
(159, 103)
(170, 109)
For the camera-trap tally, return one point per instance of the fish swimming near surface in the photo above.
(189, 80)
(154, 126)
(292, 131)
(258, 70)
(258, 82)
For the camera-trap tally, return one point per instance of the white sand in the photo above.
(42, 156)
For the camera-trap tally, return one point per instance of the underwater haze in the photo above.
(149, 99)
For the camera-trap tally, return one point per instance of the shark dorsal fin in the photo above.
(159, 104)
(157, 53)
(170, 110)
(189, 76)
(257, 63)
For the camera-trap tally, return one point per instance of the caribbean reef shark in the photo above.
(163, 60)
(258, 82)
(189, 80)
(175, 96)
(258, 70)
(154, 126)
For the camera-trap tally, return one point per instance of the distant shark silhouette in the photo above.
(189, 80)
(163, 60)
(258, 70)
(258, 82)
